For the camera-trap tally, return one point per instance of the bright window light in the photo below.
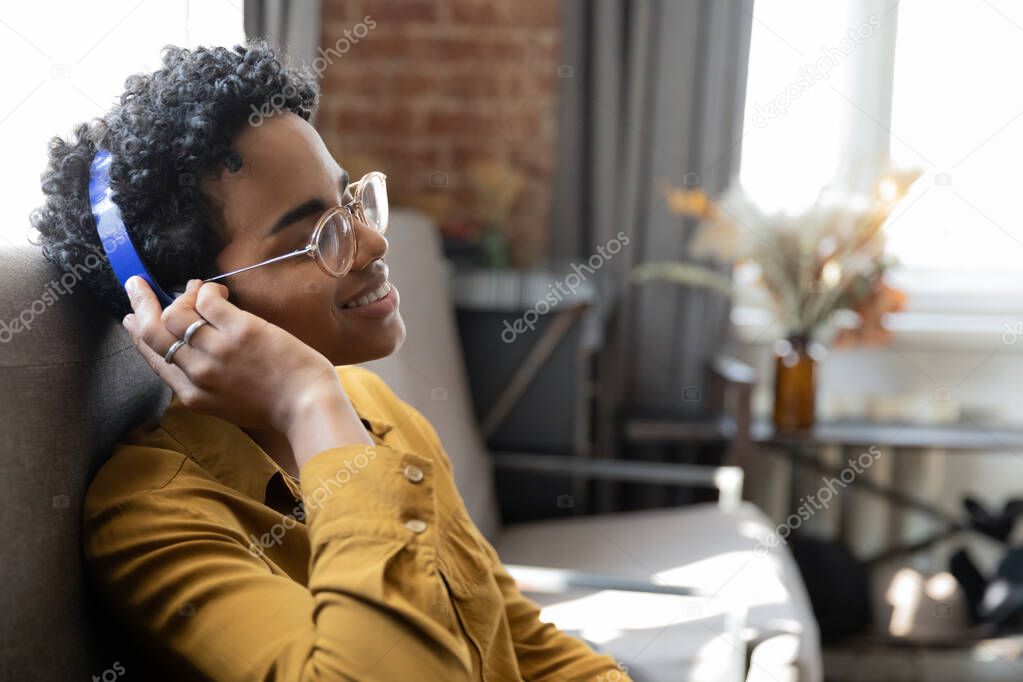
(957, 113)
(793, 120)
(954, 114)
(68, 63)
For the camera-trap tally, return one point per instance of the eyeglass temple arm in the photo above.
(300, 252)
(355, 201)
(249, 267)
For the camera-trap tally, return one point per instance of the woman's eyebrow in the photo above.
(304, 210)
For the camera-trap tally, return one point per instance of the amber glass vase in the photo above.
(794, 383)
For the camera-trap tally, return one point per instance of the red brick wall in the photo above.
(433, 85)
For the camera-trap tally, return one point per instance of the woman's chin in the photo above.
(371, 347)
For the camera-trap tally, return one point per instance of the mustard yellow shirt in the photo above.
(368, 567)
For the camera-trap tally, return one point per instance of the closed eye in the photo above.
(301, 244)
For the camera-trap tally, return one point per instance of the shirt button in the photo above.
(413, 473)
(416, 525)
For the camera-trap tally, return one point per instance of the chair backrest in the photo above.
(73, 384)
(428, 371)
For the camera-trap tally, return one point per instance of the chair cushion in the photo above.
(428, 371)
(73, 384)
(663, 637)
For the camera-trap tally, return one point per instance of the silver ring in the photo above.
(172, 350)
(192, 327)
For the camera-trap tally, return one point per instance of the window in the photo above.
(955, 111)
(932, 83)
(67, 63)
(795, 123)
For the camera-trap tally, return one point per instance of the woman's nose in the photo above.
(370, 245)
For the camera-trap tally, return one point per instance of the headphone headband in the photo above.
(113, 234)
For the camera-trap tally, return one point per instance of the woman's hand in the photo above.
(238, 366)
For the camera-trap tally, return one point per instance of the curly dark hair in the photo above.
(171, 128)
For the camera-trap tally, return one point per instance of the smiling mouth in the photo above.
(376, 295)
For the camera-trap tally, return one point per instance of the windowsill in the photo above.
(938, 368)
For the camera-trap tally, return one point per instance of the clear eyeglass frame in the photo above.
(353, 210)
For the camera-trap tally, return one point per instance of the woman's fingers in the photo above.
(147, 311)
(178, 316)
(149, 323)
(151, 337)
(211, 302)
(171, 374)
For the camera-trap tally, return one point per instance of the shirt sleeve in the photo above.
(189, 581)
(544, 652)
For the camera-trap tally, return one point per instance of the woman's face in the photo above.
(270, 206)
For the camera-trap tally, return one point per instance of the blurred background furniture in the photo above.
(854, 437)
(966, 649)
(821, 453)
(530, 370)
(720, 430)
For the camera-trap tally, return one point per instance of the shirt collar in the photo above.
(233, 458)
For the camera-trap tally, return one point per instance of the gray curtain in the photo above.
(652, 92)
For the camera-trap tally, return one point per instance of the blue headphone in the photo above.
(113, 233)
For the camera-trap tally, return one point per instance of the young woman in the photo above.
(288, 517)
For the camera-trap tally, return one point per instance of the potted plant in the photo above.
(812, 264)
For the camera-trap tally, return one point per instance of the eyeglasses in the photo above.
(333, 243)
